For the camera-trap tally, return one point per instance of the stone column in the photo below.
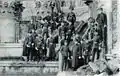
(116, 49)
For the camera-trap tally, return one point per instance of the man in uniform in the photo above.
(33, 52)
(65, 56)
(51, 49)
(44, 47)
(87, 39)
(27, 46)
(38, 47)
(95, 47)
(76, 53)
(102, 22)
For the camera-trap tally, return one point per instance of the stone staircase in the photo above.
(21, 68)
(12, 64)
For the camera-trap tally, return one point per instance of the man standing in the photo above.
(33, 52)
(87, 39)
(38, 47)
(102, 22)
(65, 55)
(44, 46)
(27, 46)
(51, 48)
(76, 53)
(95, 47)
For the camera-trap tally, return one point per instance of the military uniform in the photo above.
(65, 54)
(63, 29)
(96, 42)
(87, 42)
(44, 47)
(33, 52)
(27, 47)
(76, 53)
(102, 21)
(51, 49)
(38, 47)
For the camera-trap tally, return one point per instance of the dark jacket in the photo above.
(76, 52)
(38, 43)
(27, 42)
(102, 19)
(65, 51)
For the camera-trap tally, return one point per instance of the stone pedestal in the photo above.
(7, 26)
(7, 29)
(11, 49)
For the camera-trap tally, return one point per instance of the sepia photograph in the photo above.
(59, 37)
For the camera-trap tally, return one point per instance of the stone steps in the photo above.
(22, 68)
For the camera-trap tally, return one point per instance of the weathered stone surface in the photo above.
(94, 67)
(32, 68)
(10, 49)
(68, 73)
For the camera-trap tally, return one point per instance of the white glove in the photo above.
(32, 43)
(79, 57)
(36, 48)
(28, 46)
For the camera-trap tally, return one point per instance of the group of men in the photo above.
(56, 34)
(44, 35)
(88, 43)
